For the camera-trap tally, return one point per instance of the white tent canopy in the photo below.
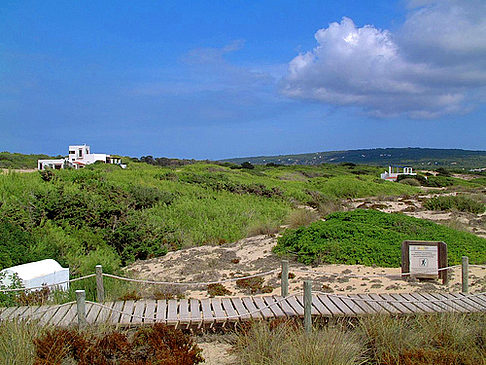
(33, 274)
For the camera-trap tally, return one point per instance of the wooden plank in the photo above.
(126, 318)
(7, 312)
(402, 307)
(433, 306)
(218, 310)
(150, 311)
(260, 304)
(70, 316)
(208, 317)
(229, 310)
(250, 305)
(364, 306)
(196, 312)
(104, 314)
(115, 316)
(296, 306)
(390, 308)
(338, 302)
(285, 306)
(454, 303)
(480, 300)
(60, 314)
(352, 305)
(276, 310)
(367, 309)
(138, 312)
(441, 306)
(418, 307)
(93, 313)
(376, 306)
(240, 308)
(172, 318)
(49, 311)
(417, 298)
(324, 299)
(161, 313)
(19, 313)
(184, 314)
(300, 300)
(320, 308)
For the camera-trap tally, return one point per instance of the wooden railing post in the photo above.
(284, 282)
(465, 274)
(308, 306)
(81, 308)
(100, 290)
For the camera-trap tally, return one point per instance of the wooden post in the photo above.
(308, 306)
(465, 274)
(284, 281)
(81, 307)
(100, 290)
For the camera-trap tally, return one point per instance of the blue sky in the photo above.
(218, 79)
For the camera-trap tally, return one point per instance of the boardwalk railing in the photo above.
(307, 298)
(284, 278)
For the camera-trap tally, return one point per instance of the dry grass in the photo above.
(16, 346)
(439, 339)
(285, 343)
(301, 217)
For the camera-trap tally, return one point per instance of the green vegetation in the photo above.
(20, 161)
(424, 158)
(461, 203)
(371, 237)
(106, 215)
(438, 339)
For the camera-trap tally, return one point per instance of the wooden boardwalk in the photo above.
(223, 311)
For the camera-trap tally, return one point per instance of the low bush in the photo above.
(157, 344)
(370, 237)
(409, 181)
(461, 203)
(217, 290)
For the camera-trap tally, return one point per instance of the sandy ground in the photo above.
(254, 255)
(216, 352)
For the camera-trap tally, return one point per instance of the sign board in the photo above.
(423, 259)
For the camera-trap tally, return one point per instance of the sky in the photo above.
(221, 79)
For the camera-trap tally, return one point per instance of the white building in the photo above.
(34, 274)
(79, 156)
(394, 171)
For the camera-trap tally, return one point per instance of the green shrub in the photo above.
(461, 203)
(412, 182)
(370, 237)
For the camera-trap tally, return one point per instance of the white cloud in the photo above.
(434, 65)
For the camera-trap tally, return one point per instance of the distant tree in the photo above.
(247, 165)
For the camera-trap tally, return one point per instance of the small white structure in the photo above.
(394, 171)
(51, 164)
(79, 156)
(34, 274)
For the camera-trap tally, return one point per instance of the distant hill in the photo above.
(417, 157)
(20, 161)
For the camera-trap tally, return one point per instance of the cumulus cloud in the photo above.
(435, 64)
